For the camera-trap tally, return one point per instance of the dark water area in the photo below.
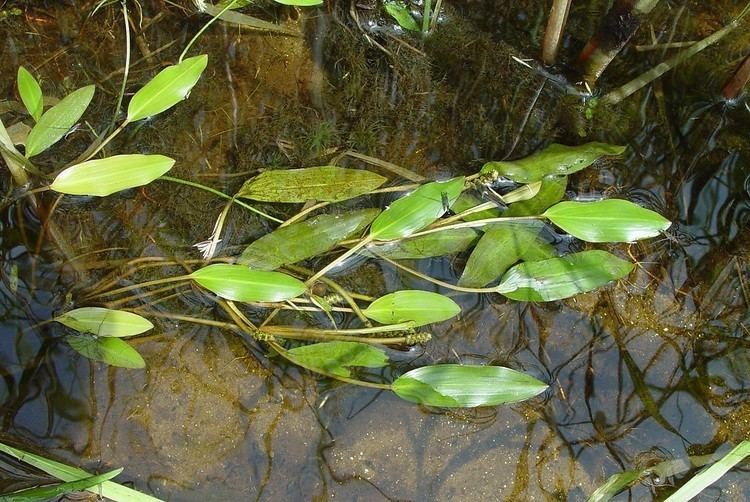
(652, 368)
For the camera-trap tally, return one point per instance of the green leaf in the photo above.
(419, 307)
(300, 241)
(614, 485)
(106, 176)
(611, 220)
(501, 246)
(401, 14)
(465, 386)
(56, 121)
(467, 200)
(522, 193)
(324, 183)
(42, 493)
(558, 278)
(708, 476)
(167, 88)
(237, 282)
(334, 357)
(300, 3)
(109, 350)
(108, 489)
(551, 192)
(417, 209)
(451, 241)
(104, 322)
(31, 93)
(555, 159)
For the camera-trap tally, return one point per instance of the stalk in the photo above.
(558, 16)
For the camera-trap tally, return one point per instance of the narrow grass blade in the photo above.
(42, 493)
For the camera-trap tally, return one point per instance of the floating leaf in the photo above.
(31, 93)
(451, 241)
(111, 174)
(108, 489)
(167, 88)
(300, 3)
(237, 282)
(56, 121)
(335, 357)
(306, 239)
(558, 278)
(401, 14)
(551, 192)
(419, 307)
(104, 322)
(555, 159)
(614, 485)
(466, 386)
(501, 246)
(611, 220)
(324, 183)
(54, 491)
(109, 350)
(417, 209)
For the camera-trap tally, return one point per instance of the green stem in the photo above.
(426, 16)
(107, 140)
(146, 284)
(339, 260)
(205, 26)
(433, 280)
(357, 331)
(126, 71)
(474, 224)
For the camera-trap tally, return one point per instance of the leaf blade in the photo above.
(419, 307)
(31, 93)
(53, 491)
(401, 14)
(110, 350)
(104, 322)
(447, 242)
(56, 121)
(239, 283)
(335, 357)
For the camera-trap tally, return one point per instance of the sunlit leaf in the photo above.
(614, 485)
(335, 357)
(300, 3)
(419, 307)
(324, 183)
(466, 386)
(104, 322)
(106, 176)
(417, 209)
(563, 277)
(551, 192)
(240, 283)
(500, 247)
(611, 220)
(401, 14)
(53, 491)
(305, 239)
(467, 200)
(108, 489)
(555, 159)
(167, 88)
(522, 193)
(31, 93)
(443, 243)
(56, 121)
(708, 476)
(112, 351)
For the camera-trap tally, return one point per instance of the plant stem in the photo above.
(126, 71)
(433, 280)
(107, 140)
(205, 26)
(558, 16)
(155, 282)
(357, 331)
(474, 224)
(426, 16)
(338, 260)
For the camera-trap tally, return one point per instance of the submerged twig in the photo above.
(558, 16)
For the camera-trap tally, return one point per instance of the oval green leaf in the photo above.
(555, 159)
(237, 282)
(466, 386)
(303, 240)
(31, 93)
(167, 88)
(563, 277)
(416, 210)
(106, 176)
(104, 322)
(611, 220)
(451, 241)
(334, 357)
(56, 122)
(419, 307)
(112, 351)
(323, 183)
(401, 14)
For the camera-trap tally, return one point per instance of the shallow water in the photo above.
(652, 368)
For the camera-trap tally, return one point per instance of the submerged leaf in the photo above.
(106, 176)
(237, 282)
(466, 386)
(558, 278)
(416, 210)
(335, 357)
(104, 322)
(555, 159)
(109, 350)
(467, 200)
(31, 93)
(419, 307)
(56, 121)
(401, 14)
(611, 220)
(551, 192)
(54, 491)
(167, 88)
(303, 240)
(324, 183)
(451, 241)
(614, 485)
